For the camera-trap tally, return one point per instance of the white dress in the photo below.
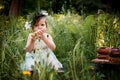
(41, 55)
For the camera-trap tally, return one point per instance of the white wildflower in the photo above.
(27, 25)
(44, 12)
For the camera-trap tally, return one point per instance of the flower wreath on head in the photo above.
(33, 16)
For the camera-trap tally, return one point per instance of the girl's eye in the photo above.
(36, 25)
(42, 24)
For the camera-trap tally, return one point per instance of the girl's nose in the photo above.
(39, 27)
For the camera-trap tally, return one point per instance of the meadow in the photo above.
(77, 38)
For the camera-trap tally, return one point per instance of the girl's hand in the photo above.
(33, 36)
(40, 33)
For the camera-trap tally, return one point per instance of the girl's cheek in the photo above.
(35, 29)
(44, 28)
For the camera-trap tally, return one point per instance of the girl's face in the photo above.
(40, 24)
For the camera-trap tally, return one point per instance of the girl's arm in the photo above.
(30, 43)
(49, 41)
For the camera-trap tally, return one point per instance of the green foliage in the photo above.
(11, 50)
(108, 30)
(89, 6)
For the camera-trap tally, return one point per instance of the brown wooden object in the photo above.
(107, 56)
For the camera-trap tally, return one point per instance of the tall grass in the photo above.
(108, 30)
(11, 50)
(79, 34)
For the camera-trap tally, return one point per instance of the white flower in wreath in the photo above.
(27, 25)
(44, 12)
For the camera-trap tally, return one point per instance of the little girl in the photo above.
(40, 45)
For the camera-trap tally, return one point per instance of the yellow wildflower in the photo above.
(26, 72)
